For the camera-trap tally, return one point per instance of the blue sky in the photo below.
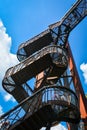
(20, 20)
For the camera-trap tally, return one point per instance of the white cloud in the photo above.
(83, 67)
(7, 59)
(57, 127)
(9, 97)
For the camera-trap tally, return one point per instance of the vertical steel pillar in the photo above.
(79, 90)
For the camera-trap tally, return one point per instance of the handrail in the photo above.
(46, 50)
(71, 19)
(22, 54)
(47, 95)
(34, 38)
(49, 50)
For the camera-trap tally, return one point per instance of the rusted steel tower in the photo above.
(58, 94)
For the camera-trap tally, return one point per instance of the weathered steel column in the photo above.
(79, 90)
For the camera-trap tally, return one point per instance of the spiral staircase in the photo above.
(52, 102)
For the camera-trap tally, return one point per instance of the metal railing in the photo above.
(34, 57)
(21, 53)
(55, 53)
(33, 39)
(61, 30)
(58, 97)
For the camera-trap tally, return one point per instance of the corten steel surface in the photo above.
(57, 32)
(35, 44)
(61, 30)
(47, 59)
(50, 104)
(39, 79)
(79, 89)
(44, 58)
(16, 77)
